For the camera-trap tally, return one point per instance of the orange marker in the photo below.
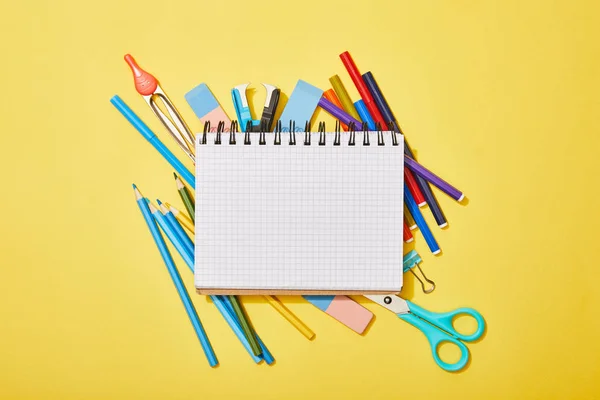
(332, 97)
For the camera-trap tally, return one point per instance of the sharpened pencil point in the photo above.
(133, 184)
(138, 195)
(159, 202)
(175, 175)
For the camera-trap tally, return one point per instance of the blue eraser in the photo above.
(301, 105)
(201, 100)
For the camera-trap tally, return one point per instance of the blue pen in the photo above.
(183, 294)
(412, 206)
(363, 112)
(154, 141)
(185, 239)
(222, 306)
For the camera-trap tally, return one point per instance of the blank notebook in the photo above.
(299, 218)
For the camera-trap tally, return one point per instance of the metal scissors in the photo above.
(147, 86)
(437, 327)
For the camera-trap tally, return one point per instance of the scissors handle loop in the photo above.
(445, 320)
(436, 337)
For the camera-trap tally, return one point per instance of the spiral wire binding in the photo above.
(220, 129)
(338, 134)
(307, 134)
(263, 131)
(366, 139)
(380, 141)
(352, 130)
(261, 136)
(206, 130)
(232, 131)
(321, 133)
(277, 140)
(247, 133)
(292, 133)
(394, 128)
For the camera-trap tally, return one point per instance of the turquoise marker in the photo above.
(154, 141)
(183, 294)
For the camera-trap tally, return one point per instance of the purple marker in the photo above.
(433, 179)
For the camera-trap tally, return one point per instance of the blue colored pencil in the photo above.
(178, 228)
(223, 306)
(183, 294)
(170, 232)
(266, 354)
(154, 141)
(412, 206)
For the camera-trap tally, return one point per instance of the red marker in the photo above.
(411, 182)
(408, 236)
(362, 88)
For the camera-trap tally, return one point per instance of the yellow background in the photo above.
(501, 98)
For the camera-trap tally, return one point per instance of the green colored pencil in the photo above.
(186, 197)
(248, 331)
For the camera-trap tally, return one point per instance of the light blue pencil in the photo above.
(183, 294)
(222, 306)
(154, 141)
(170, 232)
(178, 228)
(266, 354)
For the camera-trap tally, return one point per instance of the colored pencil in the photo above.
(183, 219)
(265, 353)
(416, 213)
(170, 264)
(186, 197)
(233, 322)
(385, 109)
(143, 129)
(178, 229)
(274, 302)
(292, 319)
(246, 327)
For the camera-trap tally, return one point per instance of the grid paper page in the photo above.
(299, 217)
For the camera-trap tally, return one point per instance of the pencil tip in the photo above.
(133, 184)
(159, 202)
(175, 175)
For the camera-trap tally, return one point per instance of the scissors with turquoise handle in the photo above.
(437, 327)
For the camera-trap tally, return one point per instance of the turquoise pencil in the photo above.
(183, 294)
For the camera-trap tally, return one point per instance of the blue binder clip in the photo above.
(412, 259)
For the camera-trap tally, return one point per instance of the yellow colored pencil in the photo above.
(182, 218)
(291, 317)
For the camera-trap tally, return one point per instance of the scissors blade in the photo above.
(395, 304)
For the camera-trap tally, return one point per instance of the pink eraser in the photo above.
(350, 313)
